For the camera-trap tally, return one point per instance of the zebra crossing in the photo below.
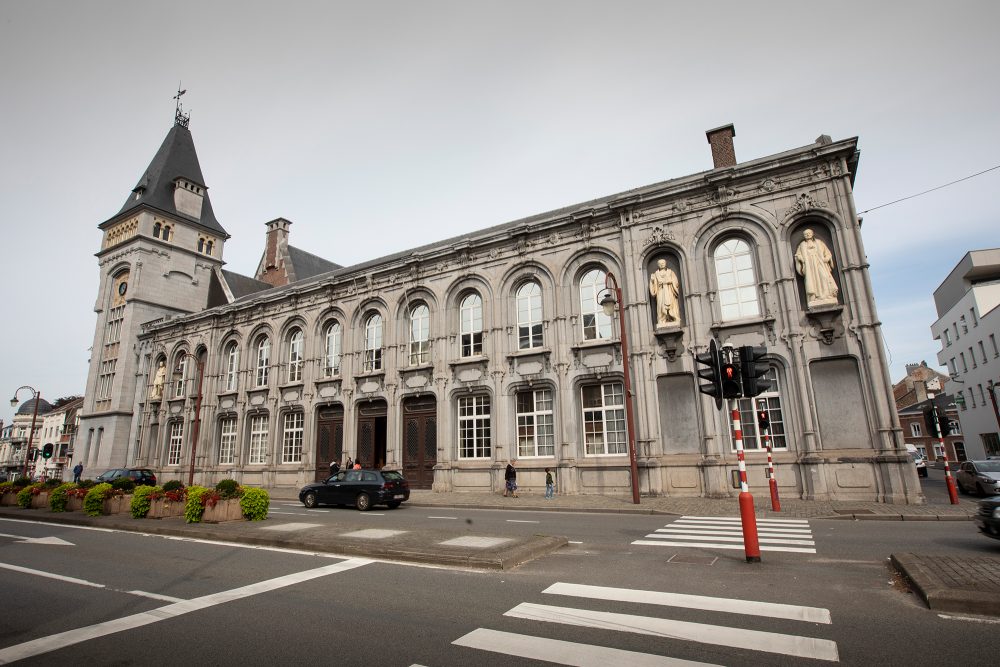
(790, 535)
(582, 613)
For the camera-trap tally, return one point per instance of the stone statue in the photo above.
(664, 286)
(814, 262)
(156, 393)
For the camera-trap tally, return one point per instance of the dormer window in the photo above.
(188, 197)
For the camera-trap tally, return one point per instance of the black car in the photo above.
(988, 517)
(361, 488)
(141, 476)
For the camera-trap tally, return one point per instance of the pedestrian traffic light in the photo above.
(710, 359)
(47, 451)
(752, 370)
(730, 373)
(763, 419)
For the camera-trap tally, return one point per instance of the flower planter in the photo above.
(117, 505)
(40, 501)
(74, 504)
(224, 510)
(162, 508)
(9, 499)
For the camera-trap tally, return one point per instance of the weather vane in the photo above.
(180, 118)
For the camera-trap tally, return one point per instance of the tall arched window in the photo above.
(770, 400)
(294, 373)
(156, 230)
(529, 316)
(472, 325)
(420, 328)
(596, 325)
(334, 343)
(232, 366)
(180, 374)
(737, 283)
(262, 367)
(373, 343)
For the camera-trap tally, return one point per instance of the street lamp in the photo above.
(612, 298)
(37, 395)
(197, 409)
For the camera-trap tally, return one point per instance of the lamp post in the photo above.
(37, 395)
(611, 299)
(197, 411)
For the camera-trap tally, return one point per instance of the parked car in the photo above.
(141, 476)
(988, 518)
(361, 488)
(982, 477)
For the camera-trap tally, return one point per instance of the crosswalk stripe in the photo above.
(731, 531)
(728, 538)
(724, 527)
(563, 652)
(715, 545)
(769, 609)
(737, 519)
(719, 635)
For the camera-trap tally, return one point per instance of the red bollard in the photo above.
(952, 491)
(748, 519)
(772, 482)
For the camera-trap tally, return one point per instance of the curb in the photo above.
(937, 594)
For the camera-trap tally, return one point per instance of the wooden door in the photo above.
(329, 440)
(419, 442)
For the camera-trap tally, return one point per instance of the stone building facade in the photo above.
(446, 361)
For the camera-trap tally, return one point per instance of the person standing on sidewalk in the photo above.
(510, 479)
(550, 485)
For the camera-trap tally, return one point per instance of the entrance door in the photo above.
(329, 440)
(371, 434)
(419, 441)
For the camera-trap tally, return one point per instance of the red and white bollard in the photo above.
(748, 519)
(772, 482)
(952, 491)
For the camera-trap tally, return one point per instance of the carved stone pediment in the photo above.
(529, 362)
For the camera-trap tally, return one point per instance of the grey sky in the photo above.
(379, 126)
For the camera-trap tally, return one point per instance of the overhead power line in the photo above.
(931, 190)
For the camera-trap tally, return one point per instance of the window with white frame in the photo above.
(373, 343)
(916, 429)
(232, 366)
(604, 419)
(176, 443)
(263, 362)
(334, 349)
(291, 438)
(294, 372)
(257, 451)
(227, 441)
(471, 312)
(420, 333)
(938, 451)
(922, 451)
(529, 316)
(474, 427)
(535, 433)
(753, 439)
(106, 379)
(180, 375)
(947, 338)
(954, 428)
(736, 281)
(596, 324)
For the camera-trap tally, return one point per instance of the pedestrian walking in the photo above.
(350, 464)
(77, 472)
(550, 485)
(510, 479)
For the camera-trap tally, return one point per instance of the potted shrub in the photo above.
(41, 491)
(223, 503)
(59, 497)
(93, 502)
(141, 501)
(167, 501)
(9, 490)
(75, 496)
(255, 503)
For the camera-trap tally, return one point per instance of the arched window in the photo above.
(420, 327)
(180, 374)
(156, 230)
(294, 373)
(227, 440)
(208, 248)
(737, 284)
(373, 343)
(257, 436)
(596, 325)
(166, 232)
(770, 400)
(472, 325)
(334, 343)
(201, 245)
(263, 361)
(529, 316)
(232, 366)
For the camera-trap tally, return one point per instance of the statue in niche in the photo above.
(156, 392)
(664, 286)
(814, 262)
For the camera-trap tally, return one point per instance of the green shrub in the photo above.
(142, 500)
(87, 483)
(194, 508)
(93, 502)
(228, 488)
(255, 503)
(25, 494)
(52, 483)
(21, 482)
(7, 487)
(173, 485)
(123, 484)
(58, 497)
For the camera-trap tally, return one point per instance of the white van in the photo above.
(918, 459)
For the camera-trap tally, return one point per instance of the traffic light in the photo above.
(945, 426)
(763, 419)
(752, 370)
(929, 421)
(47, 451)
(730, 373)
(711, 373)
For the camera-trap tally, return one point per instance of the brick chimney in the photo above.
(272, 266)
(721, 140)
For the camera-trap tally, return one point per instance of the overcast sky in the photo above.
(380, 126)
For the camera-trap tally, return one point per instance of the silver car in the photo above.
(982, 477)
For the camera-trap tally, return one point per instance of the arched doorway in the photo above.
(419, 441)
(329, 439)
(371, 433)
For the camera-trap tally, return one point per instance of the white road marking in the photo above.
(731, 519)
(288, 527)
(971, 619)
(572, 542)
(563, 652)
(156, 596)
(709, 531)
(292, 513)
(373, 533)
(520, 521)
(443, 517)
(65, 525)
(769, 609)
(727, 538)
(716, 545)
(719, 635)
(372, 514)
(50, 575)
(735, 528)
(63, 639)
(55, 541)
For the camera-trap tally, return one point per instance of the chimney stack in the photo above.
(721, 140)
(272, 268)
